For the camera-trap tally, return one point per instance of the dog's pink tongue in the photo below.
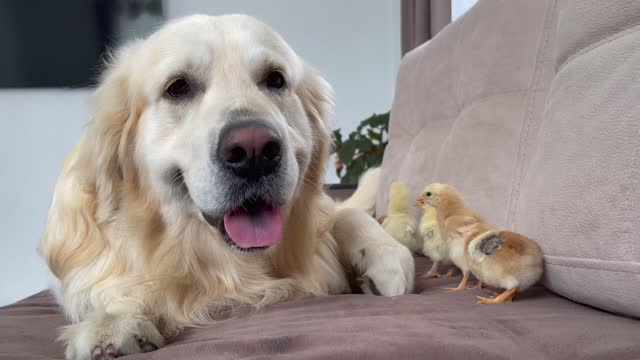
(260, 229)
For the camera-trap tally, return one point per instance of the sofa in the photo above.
(532, 110)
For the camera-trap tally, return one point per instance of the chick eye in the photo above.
(275, 80)
(428, 193)
(178, 88)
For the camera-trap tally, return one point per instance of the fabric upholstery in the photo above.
(464, 100)
(429, 324)
(339, 192)
(581, 191)
(531, 110)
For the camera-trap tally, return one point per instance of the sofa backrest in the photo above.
(581, 193)
(464, 101)
(532, 110)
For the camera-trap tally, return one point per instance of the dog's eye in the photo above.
(275, 80)
(178, 88)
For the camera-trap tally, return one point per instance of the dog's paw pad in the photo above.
(109, 338)
(145, 345)
(109, 352)
(96, 353)
(369, 284)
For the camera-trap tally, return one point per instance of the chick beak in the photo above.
(420, 201)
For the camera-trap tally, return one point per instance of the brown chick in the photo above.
(502, 259)
(452, 215)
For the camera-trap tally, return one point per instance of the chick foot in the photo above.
(506, 296)
(432, 273)
(463, 284)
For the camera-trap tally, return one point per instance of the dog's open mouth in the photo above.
(253, 225)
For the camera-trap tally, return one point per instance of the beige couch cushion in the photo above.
(464, 100)
(532, 110)
(581, 192)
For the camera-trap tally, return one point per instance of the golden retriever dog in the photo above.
(197, 189)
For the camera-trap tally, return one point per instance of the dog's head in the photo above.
(214, 119)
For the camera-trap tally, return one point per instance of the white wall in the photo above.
(355, 44)
(37, 129)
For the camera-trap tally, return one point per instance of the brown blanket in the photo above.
(430, 324)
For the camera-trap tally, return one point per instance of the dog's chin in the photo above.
(253, 225)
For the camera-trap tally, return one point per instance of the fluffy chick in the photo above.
(399, 223)
(452, 215)
(502, 259)
(433, 244)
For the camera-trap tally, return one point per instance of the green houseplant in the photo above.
(362, 149)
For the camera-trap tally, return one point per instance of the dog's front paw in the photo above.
(127, 346)
(388, 270)
(107, 337)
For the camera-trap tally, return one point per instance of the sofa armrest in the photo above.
(340, 191)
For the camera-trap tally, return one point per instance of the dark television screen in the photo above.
(59, 43)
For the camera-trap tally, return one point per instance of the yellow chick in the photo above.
(502, 259)
(399, 223)
(433, 245)
(452, 215)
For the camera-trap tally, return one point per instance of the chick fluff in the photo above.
(433, 244)
(451, 215)
(399, 222)
(498, 258)
(502, 259)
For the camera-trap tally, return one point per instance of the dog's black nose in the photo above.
(250, 149)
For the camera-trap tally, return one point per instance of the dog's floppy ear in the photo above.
(317, 96)
(88, 189)
(308, 216)
(317, 100)
(110, 131)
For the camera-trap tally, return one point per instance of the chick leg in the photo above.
(479, 285)
(463, 283)
(433, 272)
(451, 272)
(506, 296)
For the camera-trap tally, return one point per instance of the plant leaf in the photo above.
(374, 135)
(347, 151)
(363, 148)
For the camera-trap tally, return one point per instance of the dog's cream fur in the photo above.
(133, 257)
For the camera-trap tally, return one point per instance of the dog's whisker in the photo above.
(312, 183)
(178, 176)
